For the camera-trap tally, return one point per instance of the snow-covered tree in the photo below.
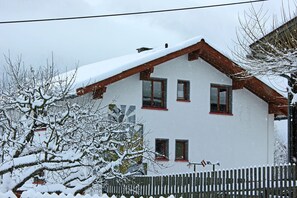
(269, 48)
(266, 48)
(280, 147)
(47, 133)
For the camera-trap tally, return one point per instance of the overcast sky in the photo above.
(91, 40)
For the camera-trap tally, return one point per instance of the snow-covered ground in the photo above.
(33, 194)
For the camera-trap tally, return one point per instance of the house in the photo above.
(191, 103)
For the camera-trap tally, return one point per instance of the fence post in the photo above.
(201, 184)
(294, 180)
(232, 192)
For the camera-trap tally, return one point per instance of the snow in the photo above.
(92, 73)
(281, 128)
(32, 194)
(64, 152)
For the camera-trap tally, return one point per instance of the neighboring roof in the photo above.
(95, 77)
(290, 25)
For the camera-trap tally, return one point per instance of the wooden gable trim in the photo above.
(146, 74)
(277, 109)
(98, 93)
(266, 93)
(238, 83)
(193, 55)
(219, 61)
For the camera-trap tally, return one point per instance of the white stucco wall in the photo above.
(245, 138)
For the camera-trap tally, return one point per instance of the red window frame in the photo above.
(219, 89)
(186, 90)
(165, 151)
(163, 94)
(185, 150)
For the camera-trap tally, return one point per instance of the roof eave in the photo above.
(216, 59)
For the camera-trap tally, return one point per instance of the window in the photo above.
(183, 90)
(221, 99)
(181, 150)
(154, 93)
(162, 149)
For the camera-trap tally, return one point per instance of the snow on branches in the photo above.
(265, 53)
(48, 136)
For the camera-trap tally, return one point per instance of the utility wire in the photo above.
(129, 13)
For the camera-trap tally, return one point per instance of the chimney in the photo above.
(143, 49)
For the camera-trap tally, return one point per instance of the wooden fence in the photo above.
(263, 182)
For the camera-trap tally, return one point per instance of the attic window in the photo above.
(221, 99)
(183, 90)
(154, 93)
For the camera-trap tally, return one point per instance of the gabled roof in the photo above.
(103, 73)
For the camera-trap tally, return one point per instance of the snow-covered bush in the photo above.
(49, 136)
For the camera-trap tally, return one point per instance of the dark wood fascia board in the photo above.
(238, 83)
(193, 55)
(277, 104)
(98, 93)
(138, 69)
(146, 74)
(265, 92)
(219, 61)
(277, 109)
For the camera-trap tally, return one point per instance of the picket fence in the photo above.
(262, 182)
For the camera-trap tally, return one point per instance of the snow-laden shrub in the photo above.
(47, 136)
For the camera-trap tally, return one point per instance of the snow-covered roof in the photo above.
(95, 72)
(97, 76)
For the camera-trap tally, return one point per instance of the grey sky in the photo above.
(91, 40)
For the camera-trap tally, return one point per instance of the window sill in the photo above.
(181, 160)
(182, 100)
(155, 108)
(39, 182)
(162, 159)
(221, 113)
(40, 130)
